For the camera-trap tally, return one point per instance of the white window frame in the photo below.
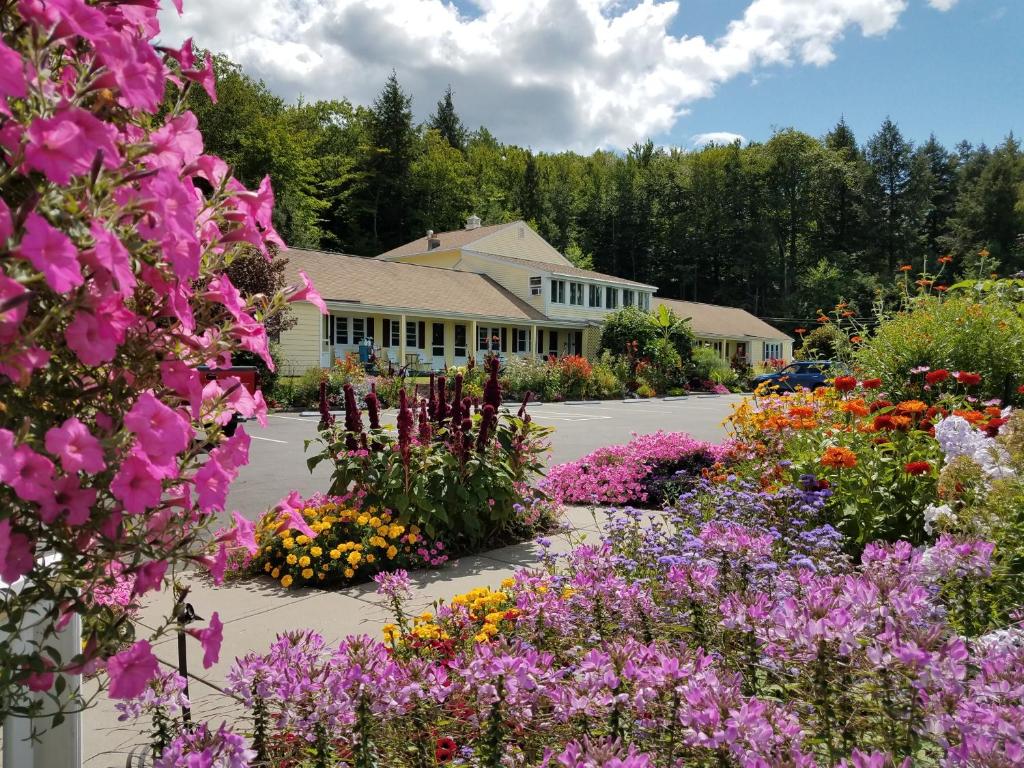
(611, 297)
(576, 294)
(358, 330)
(520, 340)
(412, 336)
(488, 339)
(460, 350)
(558, 291)
(628, 297)
(536, 286)
(340, 330)
(396, 333)
(594, 295)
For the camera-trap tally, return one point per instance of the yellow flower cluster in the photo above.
(482, 611)
(350, 543)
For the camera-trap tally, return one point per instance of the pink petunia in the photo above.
(90, 339)
(184, 382)
(134, 71)
(110, 255)
(17, 552)
(6, 223)
(217, 565)
(40, 681)
(12, 73)
(176, 144)
(15, 297)
(149, 576)
(212, 482)
(69, 500)
(19, 366)
(130, 671)
(211, 639)
(308, 293)
(66, 17)
(51, 252)
(162, 432)
(75, 446)
(244, 533)
(30, 474)
(223, 291)
(66, 144)
(136, 485)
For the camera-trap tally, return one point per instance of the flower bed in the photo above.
(641, 471)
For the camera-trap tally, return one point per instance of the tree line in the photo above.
(782, 228)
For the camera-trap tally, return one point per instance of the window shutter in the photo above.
(422, 335)
(554, 342)
(386, 340)
(369, 328)
(579, 342)
(540, 343)
(504, 339)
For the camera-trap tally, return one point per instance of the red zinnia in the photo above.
(934, 377)
(883, 421)
(968, 379)
(445, 749)
(845, 383)
(1020, 389)
(917, 467)
(871, 383)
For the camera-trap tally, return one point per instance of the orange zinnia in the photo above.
(901, 423)
(839, 457)
(912, 406)
(945, 259)
(857, 407)
(906, 268)
(804, 411)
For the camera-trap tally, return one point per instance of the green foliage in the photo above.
(632, 324)
(962, 333)
(826, 342)
(447, 123)
(707, 365)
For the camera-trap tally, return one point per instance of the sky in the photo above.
(588, 74)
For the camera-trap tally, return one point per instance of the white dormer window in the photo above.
(595, 295)
(558, 291)
(611, 298)
(576, 294)
(536, 286)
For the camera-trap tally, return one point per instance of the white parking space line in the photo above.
(307, 419)
(268, 439)
(575, 415)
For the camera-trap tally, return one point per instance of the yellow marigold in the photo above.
(307, 573)
(304, 561)
(385, 516)
(480, 637)
(495, 617)
(370, 557)
(412, 538)
(374, 522)
(315, 551)
(286, 580)
(414, 529)
(275, 573)
(354, 558)
(912, 406)
(335, 554)
(302, 539)
(508, 583)
(349, 573)
(291, 559)
(267, 567)
(288, 542)
(489, 629)
(392, 551)
(395, 530)
(363, 519)
(309, 512)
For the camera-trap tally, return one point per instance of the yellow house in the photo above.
(437, 300)
(732, 332)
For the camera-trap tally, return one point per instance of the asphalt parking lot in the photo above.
(277, 458)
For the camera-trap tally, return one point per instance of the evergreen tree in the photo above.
(942, 172)
(888, 156)
(390, 165)
(446, 122)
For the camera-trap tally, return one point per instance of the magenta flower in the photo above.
(110, 256)
(161, 431)
(136, 485)
(10, 318)
(149, 576)
(177, 144)
(51, 252)
(75, 447)
(130, 671)
(308, 293)
(30, 474)
(90, 338)
(12, 74)
(244, 533)
(66, 144)
(211, 639)
(69, 500)
(17, 553)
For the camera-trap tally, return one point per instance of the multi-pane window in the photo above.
(358, 329)
(645, 301)
(411, 339)
(341, 330)
(611, 298)
(460, 341)
(576, 294)
(437, 339)
(558, 291)
(628, 297)
(396, 333)
(536, 286)
(595, 295)
(488, 339)
(772, 350)
(520, 340)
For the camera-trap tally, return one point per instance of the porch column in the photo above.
(472, 344)
(535, 340)
(401, 341)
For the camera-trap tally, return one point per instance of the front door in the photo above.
(437, 345)
(461, 357)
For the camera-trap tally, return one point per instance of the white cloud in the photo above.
(717, 137)
(942, 5)
(546, 73)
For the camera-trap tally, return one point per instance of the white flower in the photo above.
(941, 514)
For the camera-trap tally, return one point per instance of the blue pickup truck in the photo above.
(809, 374)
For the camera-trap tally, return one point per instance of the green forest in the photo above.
(782, 228)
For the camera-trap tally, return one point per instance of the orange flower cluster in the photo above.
(838, 457)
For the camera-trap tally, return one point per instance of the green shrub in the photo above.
(645, 328)
(984, 336)
(526, 374)
(306, 389)
(604, 383)
(826, 342)
(705, 362)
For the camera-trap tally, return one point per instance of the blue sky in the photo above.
(958, 74)
(582, 74)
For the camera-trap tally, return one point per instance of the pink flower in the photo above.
(212, 482)
(17, 553)
(66, 144)
(149, 576)
(217, 565)
(14, 296)
(51, 252)
(133, 69)
(130, 671)
(162, 432)
(92, 339)
(12, 73)
(19, 367)
(6, 225)
(137, 485)
(40, 681)
(211, 639)
(222, 290)
(66, 17)
(70, 500)
(110, 255)
(244, 533)
(75, 446)
(308, 293)
(177, 144)
(28, 473)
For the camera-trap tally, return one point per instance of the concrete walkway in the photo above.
(256, 610)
